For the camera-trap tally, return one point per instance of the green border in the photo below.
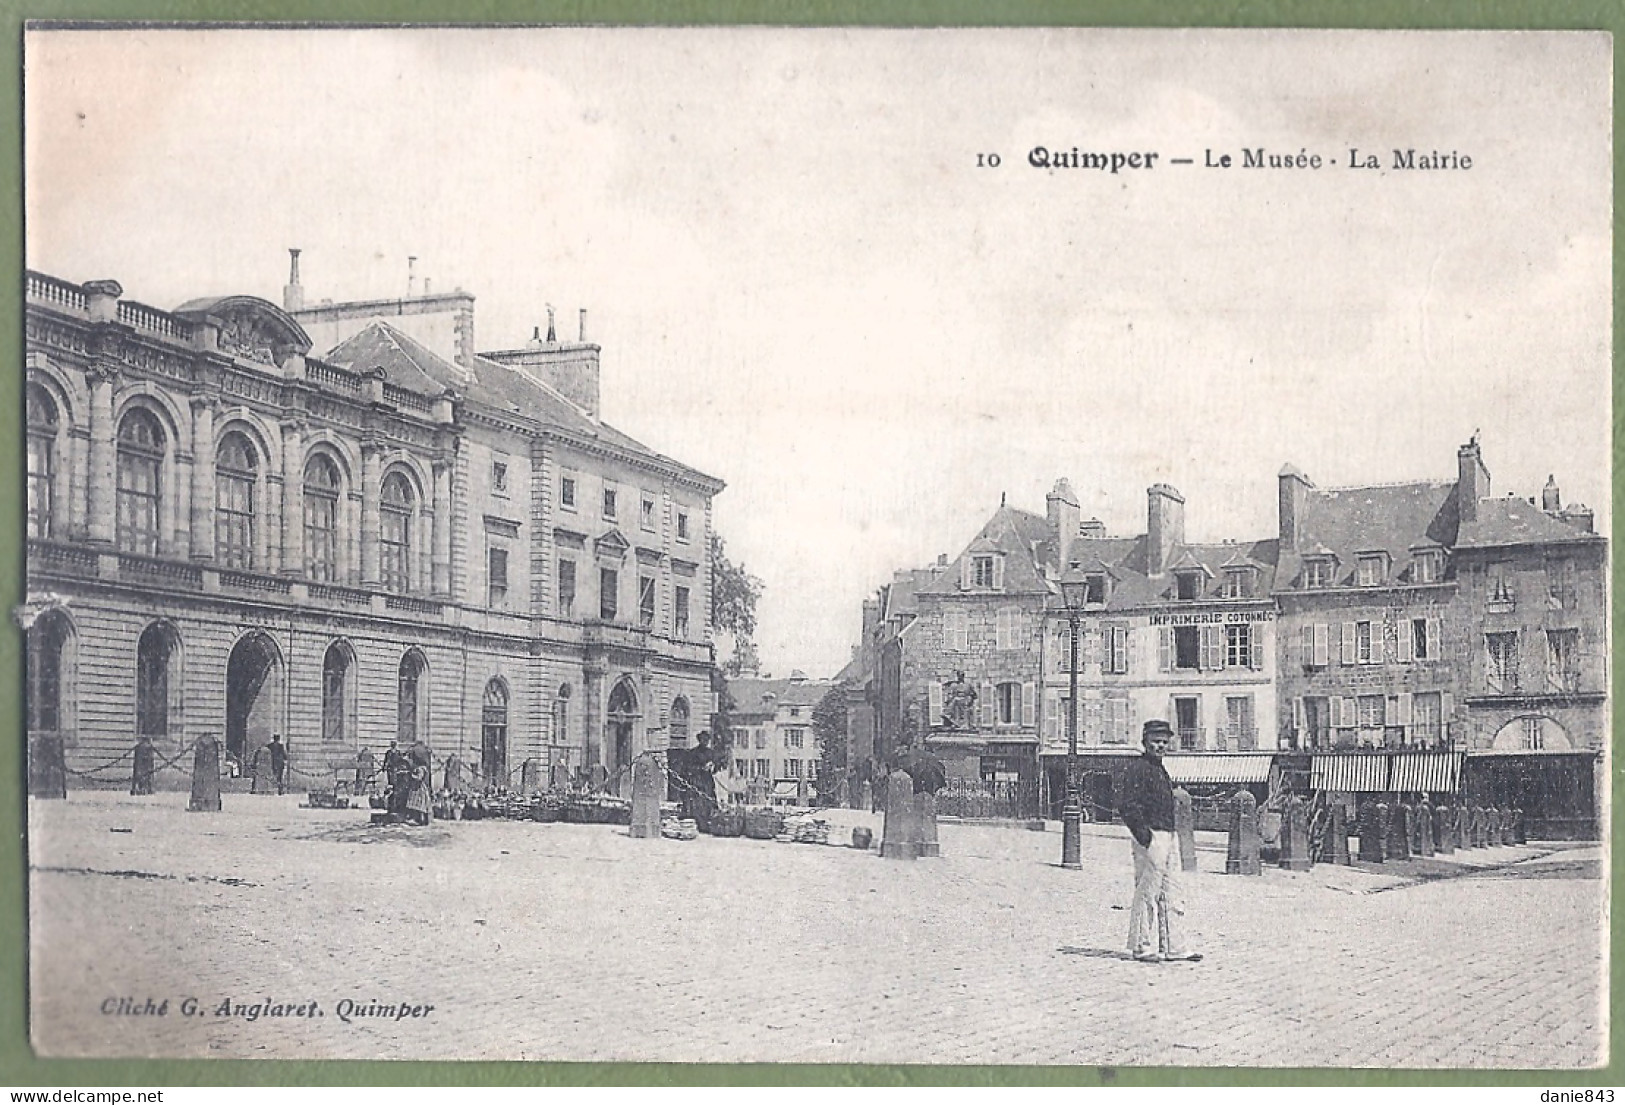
(19, 1067)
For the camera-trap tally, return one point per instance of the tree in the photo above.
(829, 726)
(734, 592)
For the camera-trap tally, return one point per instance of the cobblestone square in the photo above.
(520, 940)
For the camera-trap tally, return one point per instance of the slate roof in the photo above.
(1026, 542)
(1514, 521)
(409, 364)
(1391, 518)
(748, 694)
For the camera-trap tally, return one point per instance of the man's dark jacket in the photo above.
(1148, 799)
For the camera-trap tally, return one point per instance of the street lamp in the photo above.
(1074, 592)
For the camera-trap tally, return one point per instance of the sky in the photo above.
(804, 284)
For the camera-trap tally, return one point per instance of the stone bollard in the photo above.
(1461, 826)
(925, 825)
(1340, 834)
(1373, 818)
(1185, 829)
(1520, 834)
(1426, 831)
(264, 780)
(1474, 831)
(530, 777)
(897, 836)
(47, 768)
(1413, 837)
(1399, 831)
(1242, 856)
(205, 777)
(648, 787)
(1442, 835)
(1295, 835)
(1502, 834)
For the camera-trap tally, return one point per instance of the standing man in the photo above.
(1154, 924)
(279, 760)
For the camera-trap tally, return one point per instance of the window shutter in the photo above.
(1255, 637)
(988, 706)
(998, 573)
(964, 630)
(933, 704)
(1447, 707)
(1298, 722)
(1089, 720)
(1029, 705)
(1435, 639)
(1348, 642)
(1323, 645)
(964, 572)
(1213, 645)
(1001, 630)
(1306, 644)
(1379, 641)
(1405, 641)
(1052, 710)
(1403, 711)
(1122, 645)
(1130, 721)
(1092, 646)
(1165, 649)
(1345, 712)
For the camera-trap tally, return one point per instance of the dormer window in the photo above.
(1317, 572)
(1095, 589)
(1188, 585)
(981, 571)
(1428, 566)
(1373, 569)
(1238, 583)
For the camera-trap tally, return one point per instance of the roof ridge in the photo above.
(1385, 486)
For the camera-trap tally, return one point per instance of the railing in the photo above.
(67, 559)
(333, 377)
(415, 606)
(340, 596)
(614, 633)
(60, 292)
(1239, 738)
(253, 581)
(402, 397)
(150, 569)
(152, 320)
(986, 798)
(1190, 740)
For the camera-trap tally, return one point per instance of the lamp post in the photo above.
(1074, 592)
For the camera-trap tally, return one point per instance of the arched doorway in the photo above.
(623, 716)
(254, 698)
(494, 734)
(48, 691)
(158, 683)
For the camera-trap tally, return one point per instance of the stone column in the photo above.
(371, 474)
(103, 456)
(293, 497)
(202, 477)
(592, 711)
(441, 581)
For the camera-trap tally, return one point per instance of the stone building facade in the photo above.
(774, 742)
(232, 535)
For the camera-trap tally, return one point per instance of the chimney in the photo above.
(552, 333)
(582, 334)
(1063, 520)
(1472, 480)
(1291, 486)
(1550, 500)
(411, 277)
(293, 296)
(1164, 526)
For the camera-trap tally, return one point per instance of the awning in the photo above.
(1426, 771)
(1351, 772)
(785, 790)
(1219, 767)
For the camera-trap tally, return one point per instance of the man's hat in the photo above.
(1156, 725)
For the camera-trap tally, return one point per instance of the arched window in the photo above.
(494, 733)
(42, 426)
(140, 481)
(395, 540)
(155, 686)
(322, 487)
(236, 472)
(47, 640)
(336, 694)
(679, 722)
(410, 720)
(561, 715)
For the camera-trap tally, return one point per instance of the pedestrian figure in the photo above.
(418, 804)
(1156, 919)
(145, 766)
(279, 761)
(364, 769)
(396, 769)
